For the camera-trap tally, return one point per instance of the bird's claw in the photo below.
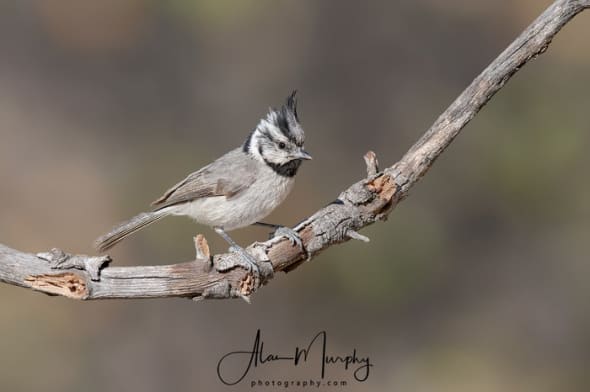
(247, 260)
(290, 234)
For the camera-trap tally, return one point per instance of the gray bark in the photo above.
(365, 202)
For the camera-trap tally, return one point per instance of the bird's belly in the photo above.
(244, 209)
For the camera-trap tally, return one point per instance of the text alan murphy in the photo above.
(234, 366)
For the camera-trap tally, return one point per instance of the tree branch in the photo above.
(365, 202)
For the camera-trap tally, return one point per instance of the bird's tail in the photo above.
(127, 228)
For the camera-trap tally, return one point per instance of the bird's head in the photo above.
(278, 139)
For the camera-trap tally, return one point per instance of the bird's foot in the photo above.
(247, 261)
(290, 234)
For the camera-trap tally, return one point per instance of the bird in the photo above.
(238, 189)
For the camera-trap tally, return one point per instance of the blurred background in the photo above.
(479, 281)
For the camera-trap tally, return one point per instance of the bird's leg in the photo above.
(249, 262)
(284, 231)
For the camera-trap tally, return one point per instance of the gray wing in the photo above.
(227, 176)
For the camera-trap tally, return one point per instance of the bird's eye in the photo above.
(282, 145)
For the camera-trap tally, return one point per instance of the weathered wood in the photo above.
(365, 202)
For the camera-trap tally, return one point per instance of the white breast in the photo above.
(244, 209)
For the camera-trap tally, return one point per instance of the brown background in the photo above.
(478, 282)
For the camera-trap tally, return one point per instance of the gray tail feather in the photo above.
(127, 228)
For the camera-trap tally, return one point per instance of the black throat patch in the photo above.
(288, 169)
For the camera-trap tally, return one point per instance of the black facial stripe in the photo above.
(271, 138)
(246, 146)
(288, 169)
(293, 139)
(268, 135)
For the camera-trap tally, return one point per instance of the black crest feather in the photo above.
(292, 104)
(287, 119)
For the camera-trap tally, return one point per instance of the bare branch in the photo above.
(365, 202)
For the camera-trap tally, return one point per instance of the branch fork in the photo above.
(58, 259)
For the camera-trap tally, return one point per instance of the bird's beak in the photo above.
(302, 154)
